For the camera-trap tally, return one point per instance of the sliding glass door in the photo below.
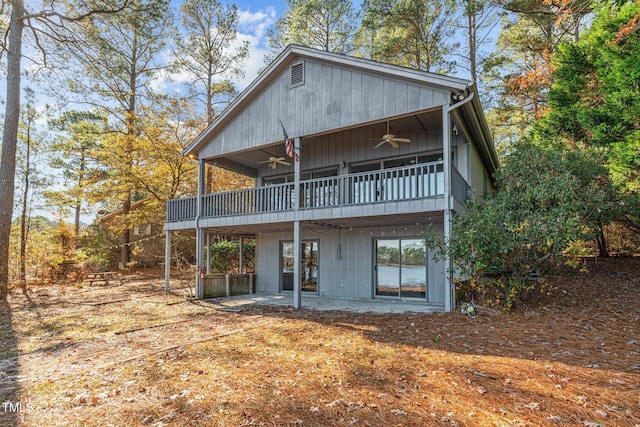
(401, 268)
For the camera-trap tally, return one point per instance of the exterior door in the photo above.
(401, 268)
(308, 264)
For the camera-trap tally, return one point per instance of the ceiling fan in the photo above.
(275, 161)
(391, 139)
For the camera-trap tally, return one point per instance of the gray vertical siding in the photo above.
(331, 97)
(351, 276)
(477, 168)
(355, 145)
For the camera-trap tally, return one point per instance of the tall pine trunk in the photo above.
(10, 138)
(125, 248)
(603, 247)
(23, 216)
(472, 42)
(78, 207)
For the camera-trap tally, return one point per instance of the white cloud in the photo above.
(42, 114)
(256, 23)
(252, 28)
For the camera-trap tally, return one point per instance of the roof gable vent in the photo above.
(296, 74)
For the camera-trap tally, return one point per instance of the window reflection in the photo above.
(401, 268)
(308, 265)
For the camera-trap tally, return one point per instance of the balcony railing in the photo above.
(387, 185)
(459, 187)
(181, 209)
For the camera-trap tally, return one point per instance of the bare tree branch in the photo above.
(48, 15)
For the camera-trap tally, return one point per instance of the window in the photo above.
(318, 173)
(142, 230)
(398, 184)
(485, 184)
(398, 162)
(296, 74)
(308, 265)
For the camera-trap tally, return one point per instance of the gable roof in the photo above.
(295, 53)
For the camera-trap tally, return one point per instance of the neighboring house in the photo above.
(346, 220)
(146, 239)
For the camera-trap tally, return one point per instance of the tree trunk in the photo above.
(10, 139)
(472, 41)
(210, 112)
(23, 216)
(79, 198)
(603, 249)
(125, 250)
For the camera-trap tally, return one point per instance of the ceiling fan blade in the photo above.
(282, 162)
(401, 139)
(393, 143)
(274, 165)
(379, 144)
(265, 161)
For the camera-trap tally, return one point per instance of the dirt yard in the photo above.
(130, 355)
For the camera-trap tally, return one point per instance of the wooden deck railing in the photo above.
(181, 209)
(272, 198)
(221, 284)
(387, 185)
(402, 183)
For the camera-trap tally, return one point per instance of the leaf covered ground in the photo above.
(130, 355)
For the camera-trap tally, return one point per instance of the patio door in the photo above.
(308, 265)
(401, 268)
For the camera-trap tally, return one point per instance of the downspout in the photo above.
(450, 296)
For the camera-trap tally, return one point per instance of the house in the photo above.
(146, 239)
(381, 154)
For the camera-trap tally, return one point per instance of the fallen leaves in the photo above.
(533, 406)
(565, 365)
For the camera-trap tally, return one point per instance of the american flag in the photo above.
(289, 144)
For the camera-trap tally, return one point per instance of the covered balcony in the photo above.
(387, 186)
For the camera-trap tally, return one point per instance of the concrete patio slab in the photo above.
(317, 302)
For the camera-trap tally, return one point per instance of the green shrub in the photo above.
(225, 256)
(541, 207)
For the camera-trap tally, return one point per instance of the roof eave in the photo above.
(474, 111)
(294, 52)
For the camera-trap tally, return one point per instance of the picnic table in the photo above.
(103, 277)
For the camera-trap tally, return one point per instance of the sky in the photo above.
(256, 17)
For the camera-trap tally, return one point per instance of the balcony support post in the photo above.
(297, 265)
(297, 230)
(167, 260)
(199, 231)
(241, 256)
(208, 251)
